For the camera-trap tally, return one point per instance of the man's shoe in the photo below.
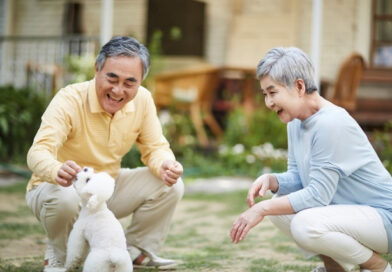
(319, 269)
(147, 259)
(51, 263)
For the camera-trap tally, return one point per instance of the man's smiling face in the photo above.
(118, 81)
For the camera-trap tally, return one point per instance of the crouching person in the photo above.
(335, 200)
(95, 123)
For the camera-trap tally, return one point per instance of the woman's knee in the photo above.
(306, 229)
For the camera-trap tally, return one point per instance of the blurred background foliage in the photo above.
(20, 117)
(251, 145)
(383, 144)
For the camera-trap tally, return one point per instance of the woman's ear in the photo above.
(300, 87)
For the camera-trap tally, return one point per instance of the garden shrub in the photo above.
(262, 127)
(249, 146)
(383, 145)
(20, 117)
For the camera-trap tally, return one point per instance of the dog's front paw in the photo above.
(73, 265)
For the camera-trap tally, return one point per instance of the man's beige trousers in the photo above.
(137, 192)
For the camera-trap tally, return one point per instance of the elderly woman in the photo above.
(335, 200)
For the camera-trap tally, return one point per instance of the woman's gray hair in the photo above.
(286, 65)
(124, 46)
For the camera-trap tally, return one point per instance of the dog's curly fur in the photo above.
(96, 228)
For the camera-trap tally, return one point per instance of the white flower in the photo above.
(250, 159)
(223, 150)
(267, 151)
(238, 149)
(266, 170)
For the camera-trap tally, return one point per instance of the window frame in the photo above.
(374, 42)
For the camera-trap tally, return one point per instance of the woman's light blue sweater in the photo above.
(331, 161)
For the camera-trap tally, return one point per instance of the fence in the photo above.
(38, 61)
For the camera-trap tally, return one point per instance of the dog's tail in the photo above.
(110, 259)
(120, 259)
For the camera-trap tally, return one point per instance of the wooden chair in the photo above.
(193, 89)
(347, 82)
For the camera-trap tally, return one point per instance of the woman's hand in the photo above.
(246, 222)
(260, 187)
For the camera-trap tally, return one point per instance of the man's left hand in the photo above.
(170, 172)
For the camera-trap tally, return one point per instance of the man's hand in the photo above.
(170, 172)
(67, 173)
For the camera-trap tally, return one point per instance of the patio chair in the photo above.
(193, 90)
(347, 82)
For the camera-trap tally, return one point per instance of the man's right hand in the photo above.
(67, 173)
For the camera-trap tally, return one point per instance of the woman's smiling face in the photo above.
(117, 82)
(280, 98)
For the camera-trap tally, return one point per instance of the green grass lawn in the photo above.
(199, 237)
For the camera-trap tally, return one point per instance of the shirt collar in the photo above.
(95, 107)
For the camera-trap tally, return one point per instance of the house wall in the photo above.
(338, 35)
(45, 17)
(129, 18)
(238, 32)
(37, 17)
(259, 25)
(218, 29)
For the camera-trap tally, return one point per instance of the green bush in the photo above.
(383, 145)
(248, 146)
(80, 68)
(262, 127)
(132, 158)
(20, 117)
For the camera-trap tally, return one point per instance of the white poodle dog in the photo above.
(97, 228)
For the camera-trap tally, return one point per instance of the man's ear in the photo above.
(300, 87)
(96, 67)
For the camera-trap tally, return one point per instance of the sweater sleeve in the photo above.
(54, 129)
(290, 180)
(332, 150)
(153, 146)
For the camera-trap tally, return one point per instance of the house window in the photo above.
(181, 24)
(381, 49)
(72, 20)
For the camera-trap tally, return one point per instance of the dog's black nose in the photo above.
(87, 180)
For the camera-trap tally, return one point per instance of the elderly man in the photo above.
(95, 123)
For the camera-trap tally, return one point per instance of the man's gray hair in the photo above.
(286, 65)
(124, 46)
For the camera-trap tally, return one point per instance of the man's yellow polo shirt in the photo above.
(75, 127)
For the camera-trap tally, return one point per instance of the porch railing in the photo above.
(37, 60)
